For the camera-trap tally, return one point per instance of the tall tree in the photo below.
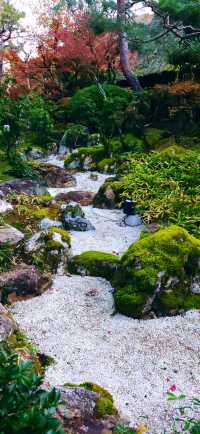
(9, 25)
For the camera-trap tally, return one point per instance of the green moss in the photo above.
(108, 164)
(173, 150)
(69, 159)
(4, 171)
(105, 405)
(65, 236)
(95, 264)
(174, 253)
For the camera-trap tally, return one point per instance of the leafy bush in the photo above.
(24, 406)
(165, 186)
(22, 168)
(76, 135)
(6, 253)
(90, 108)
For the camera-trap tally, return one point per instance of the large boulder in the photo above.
(158, 275)
(7, 324)
(22, 186)
(74, 218)
(10, 234)
(108, 195)
(23, 280)
(49, 249)
(85, 198)
(55, 176)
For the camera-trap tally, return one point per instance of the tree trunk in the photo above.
(123, 48)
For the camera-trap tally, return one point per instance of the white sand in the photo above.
(136, 360)
(108, 236)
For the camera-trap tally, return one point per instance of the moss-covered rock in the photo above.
(108, 195)
(86, 158)
(107, 165)
(48, 249)
(104, 404)
(156, 274)
(94, 263)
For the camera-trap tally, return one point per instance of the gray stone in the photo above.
(78, 398)
(35, 154)
(20, 186)
(133, 220)
(47, 223)
(11, 235)
(78, 224)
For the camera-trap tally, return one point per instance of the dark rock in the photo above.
(55, 176)
(24, 280)
(11, 235)
(20, 186)
(35, 154)
(108, 196)
(85, 198)
(74, 218)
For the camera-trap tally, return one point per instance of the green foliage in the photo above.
(89, 107)
(123, 429)
(24, 406)
(186, 11)
(169, 253)
(94, 263)
(22, 168)
(76, 136)
(6, 253)
(165, 186)
(35, 119)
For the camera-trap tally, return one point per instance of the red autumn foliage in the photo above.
(69, 49)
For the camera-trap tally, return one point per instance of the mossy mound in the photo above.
(107, 165)
(26, 217)
(108, 195)
(94, 263)
(105, 404)
(156, 274)
(86, 158)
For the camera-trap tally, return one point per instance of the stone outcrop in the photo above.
(23, 280)
(10, 234)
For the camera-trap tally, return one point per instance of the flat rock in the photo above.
(11, 235)
(47, 223)
(20, 186)
(85, 198)
(24, 280)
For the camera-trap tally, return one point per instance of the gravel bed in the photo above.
(138, 361)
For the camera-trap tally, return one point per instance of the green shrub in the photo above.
(76, 136)
(165, 186)
(89, 107)
(24, 406)
(6, 253)
(94, 263)
(171, 255)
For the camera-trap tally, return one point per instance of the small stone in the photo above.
(47, 223)
(133, 220)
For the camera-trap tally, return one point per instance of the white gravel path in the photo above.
(108, 236)
(137, 361)
(83, 183)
